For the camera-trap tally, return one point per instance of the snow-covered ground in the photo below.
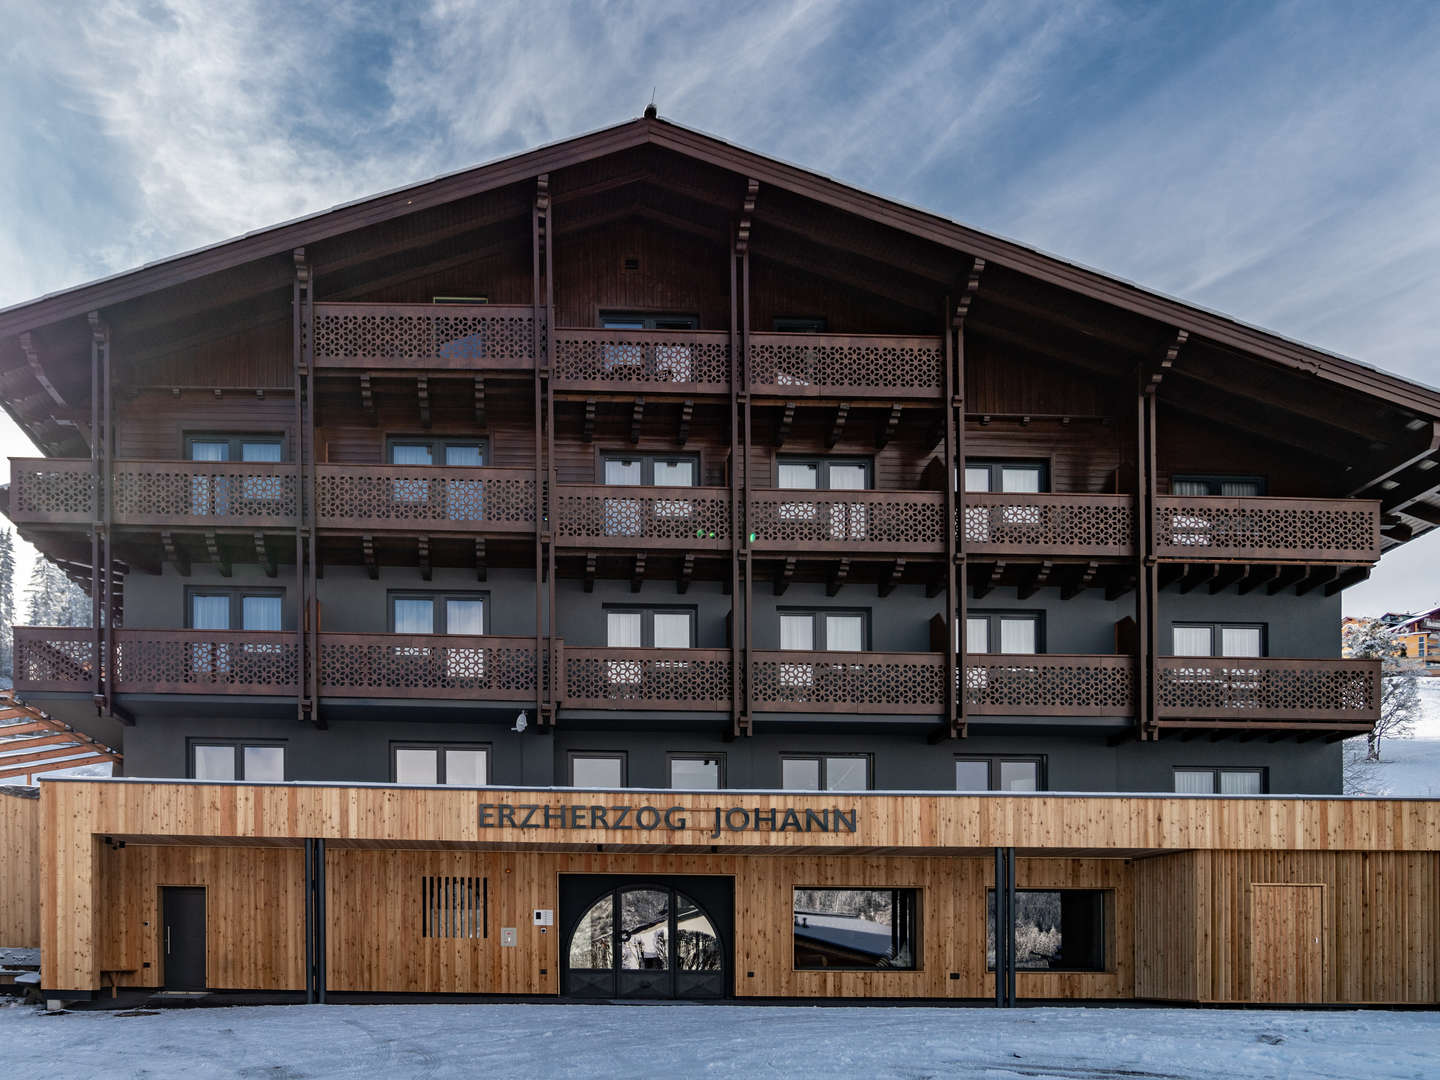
(1408, 765)
(536, 1041)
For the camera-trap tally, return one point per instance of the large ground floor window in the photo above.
(1055, 930)
(857, 929)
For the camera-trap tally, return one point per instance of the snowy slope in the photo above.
(1407, 766)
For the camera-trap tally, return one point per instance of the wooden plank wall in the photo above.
(19, 871)
(151, 425)
(1167, 932)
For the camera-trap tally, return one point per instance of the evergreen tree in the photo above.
(7, 602)
(53, 599)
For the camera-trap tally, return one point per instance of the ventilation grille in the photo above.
(454, 907)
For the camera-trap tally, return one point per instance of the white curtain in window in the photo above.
(416, 767)
(464, 456)
(209, 451)
(847, 478)
(695, 774)
(674, 474)
(1189, 487)
(622, 629)
(1239, 487)
(620, 471)
(465, 767)
(265, 764)
(214, 763)
(972, 776)
(672, 630)
(844, 633)
(1020, 481)
(797, 632)
(260, 451)
(1240, 641)
(798, 477)
(977, 478)
(846, 774)
(1019, 776)
(596, 772)
(977, 635)
(414, 615)
(1193, 641)
(465, 616)
(1194, 781)
(407, 454)
(1017, 636)
(260, 612)
(210, 612)
(1245, 782)
(800, 774)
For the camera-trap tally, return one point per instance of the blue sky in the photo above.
(1278, 162)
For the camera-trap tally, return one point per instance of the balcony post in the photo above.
(302, 324)
(739, 479)
(98, 336)
(541, 298)
(957, 590)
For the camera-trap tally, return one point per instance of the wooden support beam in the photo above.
(687, 413)
(177, 558)
(897, 571)
(1036, 578)
(837, 429)
(888, 428)
(1423, 512)
(263, 556)
(1119, 584)
(590, 561)
(687, 573)
(1228, 575)
(1155, 371)
(1081, 578)
(587, 429)
(1258, 575)
(985, 575)
(212, 545)
(482, 562)
(837, 577)
(423, 556)
(1169, 573)
(637, 417)
(422, 394)
(1400, 531)
(1198, 574)
(787, 418)
(367, 396)
(1421, 445)
(1320, 575)
(783, 577)
(481, 417)
(637, 576)
(1345, 579)
(367, 550)
(1285, 578)
(1421, 480)
(37, 368)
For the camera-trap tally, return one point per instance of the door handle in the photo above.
(167, 941)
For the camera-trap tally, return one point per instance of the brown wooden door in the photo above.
(1287, 951)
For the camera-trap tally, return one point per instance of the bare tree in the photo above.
(1399, 690)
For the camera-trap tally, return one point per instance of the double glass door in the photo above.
(645, 941)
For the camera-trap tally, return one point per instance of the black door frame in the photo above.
(168, 942)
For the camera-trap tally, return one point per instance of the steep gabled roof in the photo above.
(1059, 272)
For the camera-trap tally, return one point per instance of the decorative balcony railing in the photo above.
(846, 365)
(848, 521)
(679, 361)
(51, 491)
(1051, 523)
(845, 682)
(595, 515)
(430, 497)
(1268, 690)
(424, 336)
(1257, 527)
(427, 666)
(647, 678)
(1049, 685)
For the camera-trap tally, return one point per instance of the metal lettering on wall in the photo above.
(674, 818)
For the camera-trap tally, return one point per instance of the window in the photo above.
(211, 493)
(454, 907)
(256, 762)
(824, 473)
(999, 774)
(824, 631)
(457, 499)
(649, 628)
(697, 772)
(432, 763)
(857, 929)
(1218, 639)
(1216, 485)
(799, 324)
(597, 770)
(667, 360)
(438, 613)
(425, 450)
(234, 609)
(825, 772)
(235, 447)
(647, 320)
(1055, 930)
(1015, 632)
(1191, 781)
(651, 470)
(1018, 477)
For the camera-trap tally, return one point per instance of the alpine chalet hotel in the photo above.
(639, 568)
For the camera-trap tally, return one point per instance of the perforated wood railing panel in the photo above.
(850, 365)
(445, 336)
(647, 678)
(427, 666)
(842, 682)
(897, 521)
(51, 490)
(201, 493)
(51, 658)
(637, 517)
(439, 497)
(1049, 685)
(1199, 688)
(1057, 524)
(1257, 527)
(206, 661)
(682, 361)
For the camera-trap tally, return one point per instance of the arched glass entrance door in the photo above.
(645, 941)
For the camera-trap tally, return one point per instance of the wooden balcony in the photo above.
(842, 682)
(1267, 692)
(424, 337)
(430, 498)
(848, 522)
(1262, 529)
(647, 361)
(1054, 523)
(679, 679)
(1049, 685)
(846, 366)
(680, 518)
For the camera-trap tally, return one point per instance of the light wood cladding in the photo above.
(19, 871)
(1287, 957)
